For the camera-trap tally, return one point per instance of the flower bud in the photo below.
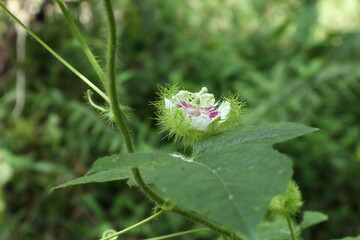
(287, 204)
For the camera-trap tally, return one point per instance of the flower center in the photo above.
(194, 112)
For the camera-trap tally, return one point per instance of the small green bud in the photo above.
(192, 116)
(287, 204)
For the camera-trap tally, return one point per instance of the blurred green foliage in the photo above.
(289, 60)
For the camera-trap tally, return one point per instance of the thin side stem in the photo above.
(134, 226)
(62, 60)
(82, 42)
(111, 86)
(288, 220)
(92, 103)
(178, 234)
(20, 71)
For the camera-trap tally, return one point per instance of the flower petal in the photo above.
(201, 122)
(224, 110)
(182, 96)
(210, 111)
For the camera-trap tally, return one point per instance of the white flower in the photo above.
(199, 108)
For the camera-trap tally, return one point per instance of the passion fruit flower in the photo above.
(193, 116)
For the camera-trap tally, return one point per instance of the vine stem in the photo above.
(213, 226)
(82, 42)
(180, 211)
(111, 86)
(178, 234)
(134, 226)
(49, 49)
(122, 126)
(288, 220)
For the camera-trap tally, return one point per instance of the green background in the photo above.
(294, 61)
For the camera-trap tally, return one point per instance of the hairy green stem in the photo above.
(82, 42)
(178, 234)
(119, 119)
(180, 211)
(213, 226)
(62, 60)
(134, 226)
(111, 85)
(288, 220)
(146, 189)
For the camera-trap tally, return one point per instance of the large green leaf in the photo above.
(277, 230)
(111, 169)
(250, 171)
(267, 133)
(102, 176)
(230, 179)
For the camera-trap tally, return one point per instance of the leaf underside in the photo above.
(230, 179)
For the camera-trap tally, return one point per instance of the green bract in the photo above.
(287, 204)
(192, 116)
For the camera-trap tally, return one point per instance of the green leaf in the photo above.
(103, 176)
(269, 133)
(111, 169)
(312, 218)
(250, 173)
(230, 180)
(277, 230)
